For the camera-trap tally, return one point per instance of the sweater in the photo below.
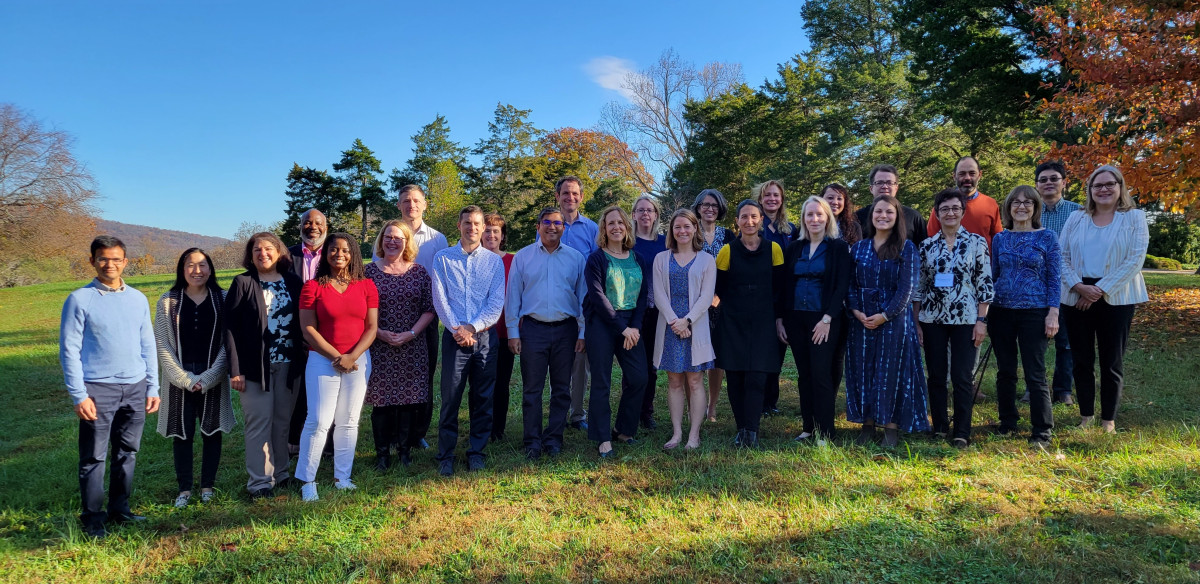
(106, 337)
(702, 281)
(216, 414)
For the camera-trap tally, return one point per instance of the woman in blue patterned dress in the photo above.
(710, 207)
(884, 381)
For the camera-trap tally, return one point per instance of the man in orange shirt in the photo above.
(982, 215)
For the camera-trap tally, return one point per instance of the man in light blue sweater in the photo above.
(109, 361)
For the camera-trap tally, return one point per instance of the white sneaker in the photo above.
(308, 492)
(206, 496)
(344, 485)
(182, 500)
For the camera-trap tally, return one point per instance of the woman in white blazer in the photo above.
(1103, 249)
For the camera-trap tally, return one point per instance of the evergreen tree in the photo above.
(359, 172)
(431, 145)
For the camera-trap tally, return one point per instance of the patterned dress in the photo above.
(399, 375)
(677, 352)
(884, 378)
(721, 236)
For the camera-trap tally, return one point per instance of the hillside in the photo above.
(163, 244)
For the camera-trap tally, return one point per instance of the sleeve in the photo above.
(1067, 273)
(512, 297)
(662, 286)
(708, 282)
(233, 303)
(779, 276)
(441, 304)
(994, 257)
(581, 293)
(723, 258)
(489, 313)
(149, 351)
(595, 301)
(1053, 267)
(843, 269)
(308, 295)
(933, 226)
(172, 370)
(920, 228)
(782, 283)
(906, 282)
(639, 310)
(371, 291)
(720, 286)
(996, 226)
(1135, 254)
(852, 295)
(924, 277)
(425, 300)
(70, 347)
(985, 291)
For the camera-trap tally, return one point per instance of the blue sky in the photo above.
(190, 114)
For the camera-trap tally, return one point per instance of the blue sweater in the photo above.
(107, 337)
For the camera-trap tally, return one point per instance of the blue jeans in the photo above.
(460, 365)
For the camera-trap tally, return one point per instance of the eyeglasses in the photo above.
(1022, 204)
(643, 212)
(393, 239)
(1049, 179)
(884, 183)
(1107, 186)
(550, 223)
(708, 206)
(950, 210)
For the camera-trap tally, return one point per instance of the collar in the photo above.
(542, 246)
(311, 254)
(1047, 207)
(973, 197)
(105, 288)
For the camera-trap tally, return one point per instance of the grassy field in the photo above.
(1097, 508)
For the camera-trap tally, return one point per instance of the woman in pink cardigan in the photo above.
(683, 290)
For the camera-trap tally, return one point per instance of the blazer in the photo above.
(297, 257)
(834, 285)
(1122, 282)
(246, 329)
(913, 221)
(595, 301)
(702, 281)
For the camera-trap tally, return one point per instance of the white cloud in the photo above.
(609, 73)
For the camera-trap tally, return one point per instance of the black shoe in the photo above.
(1064, 399)
(533, 454)
(405, 457)
(579, 425)
(382, 462)
(739, 438)
(553, 450)
(891, 437)
(1005, 430)
(750, 440)
(95, 531)
(475, 463)
(496, 437)
(263, 493)
(866, 435)
(118, 518)
(1025, 398)
(423, 445)
(446, 468)
(649, 423)
(289, 483)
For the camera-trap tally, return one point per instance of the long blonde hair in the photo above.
(831, 224)
(780, 220)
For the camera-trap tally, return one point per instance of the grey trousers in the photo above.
(268, 417)
(579, 385)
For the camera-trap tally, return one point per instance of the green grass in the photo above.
(1098, 508)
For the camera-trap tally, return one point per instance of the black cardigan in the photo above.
(246, 329)
(595, 301)
(835, 285)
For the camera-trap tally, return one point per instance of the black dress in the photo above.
(745, 337)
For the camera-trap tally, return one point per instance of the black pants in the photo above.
(462, 365)
(839, 349)
(504, 370)
(210, 452)
(649, 330)
(771, 393)
(746, 391)
(1063, 364)
(424, 417)
(815, 367)
(603, 344)
(546, 348)
(120, 417)
(955, 340)
(396, 425)
(1022, 330)
(1101, 330)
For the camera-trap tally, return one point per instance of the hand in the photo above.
(342, 364)
(862, 317)
(86, 409)
(921, 335)
(1051, 323)
(875, 321)
(979, 333)
(388, 337)
(681, 328)
(716, 301)
(198, 387)
(514, 345)
(820, 333)
(403, 338)
(238, 382)
(1083, 303)
(152, 404)
(780, 331)
(580, 346)
(1092, 293)
(632, 336)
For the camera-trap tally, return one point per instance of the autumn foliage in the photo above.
(1130, 97)
(605, 156)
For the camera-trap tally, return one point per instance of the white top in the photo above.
(1124, 240)
(1093, 258)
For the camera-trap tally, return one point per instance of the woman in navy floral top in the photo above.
(1025, 264)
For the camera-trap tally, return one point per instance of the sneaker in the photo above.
(475, 463)
(309, 492)
(182, 500)
(344, 485)
(206, 496)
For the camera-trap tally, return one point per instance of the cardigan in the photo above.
(246, 329)
(702, 281)
(1122, 282)
(834, 285)
(595, 301)
(216, 414)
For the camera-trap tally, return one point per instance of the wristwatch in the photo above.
(689, 319)
(982, 319)
(413, 333)
(826, 320)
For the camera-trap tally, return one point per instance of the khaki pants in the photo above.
(268, 415)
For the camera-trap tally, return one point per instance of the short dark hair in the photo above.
(407, 188)
(325, 272)
(469, 210)
(972, 159)
(566, 179)
(549, 211)
(722, 204)
(878, 168)
(181, 281)
(107, 242)
(1055, 165)
(283, 264)
(945, 194)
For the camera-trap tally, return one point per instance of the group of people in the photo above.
(308, 334)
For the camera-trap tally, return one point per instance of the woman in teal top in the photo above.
(617, 283)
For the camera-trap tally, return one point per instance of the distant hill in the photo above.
(164, 244)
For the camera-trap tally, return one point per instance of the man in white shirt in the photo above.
(412, 205)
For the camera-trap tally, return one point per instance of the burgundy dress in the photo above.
(399, 375)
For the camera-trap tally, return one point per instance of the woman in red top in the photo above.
(495, 235)
(339, 315)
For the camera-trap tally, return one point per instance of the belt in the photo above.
(557, 323)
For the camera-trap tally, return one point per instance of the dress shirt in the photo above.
(1054, 218)
(429, 242)
(311, 260)
(547, 286)
(581, 235)
(468, 288)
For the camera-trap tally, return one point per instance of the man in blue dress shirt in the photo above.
(579, 233)
(468, 295)
(544, 314)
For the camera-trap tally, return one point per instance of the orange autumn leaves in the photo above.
(1171, 318)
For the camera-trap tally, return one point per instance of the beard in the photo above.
(311, 242)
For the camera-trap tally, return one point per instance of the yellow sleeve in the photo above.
(723, 258)
(776, 254)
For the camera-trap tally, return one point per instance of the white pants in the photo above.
(333, 399)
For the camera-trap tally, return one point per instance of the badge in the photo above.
(943, 280)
